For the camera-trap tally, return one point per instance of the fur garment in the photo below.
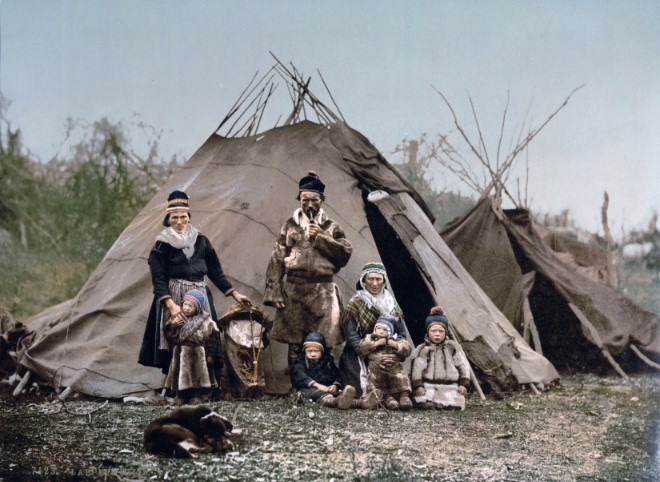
(385, 367)
(300, 275)
(440, 369)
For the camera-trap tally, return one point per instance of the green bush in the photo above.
(58, 219)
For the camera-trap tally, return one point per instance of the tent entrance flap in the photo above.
(408, 286)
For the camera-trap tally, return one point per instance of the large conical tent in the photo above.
(581, 324)
(242, 184)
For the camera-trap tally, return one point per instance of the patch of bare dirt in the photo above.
(587, 429)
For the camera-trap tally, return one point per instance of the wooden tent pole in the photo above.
(535, 337)
(530, 325)
(473, 377)
(475, 382)
(24, 381)
(596, 339)
(613, 362)
(525, 331)
(65, 393)
(644, 358)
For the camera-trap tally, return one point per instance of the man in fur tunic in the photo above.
(440, 371)
(309, 250)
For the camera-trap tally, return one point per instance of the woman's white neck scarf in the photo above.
(184, 241)
(383, 302)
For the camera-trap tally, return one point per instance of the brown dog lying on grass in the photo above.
(187, 432)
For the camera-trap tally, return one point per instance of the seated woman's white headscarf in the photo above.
(384, 301)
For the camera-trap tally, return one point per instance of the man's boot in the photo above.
(345, 398)
(405, 403)
(328, 400)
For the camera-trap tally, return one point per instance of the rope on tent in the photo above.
(644, 358)
(595, 336)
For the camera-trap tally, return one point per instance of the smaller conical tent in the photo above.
(581, 323)
(242, 186)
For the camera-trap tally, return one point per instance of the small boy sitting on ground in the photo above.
(440, 371)
(385, 353)
(188, 376)
(316, 377)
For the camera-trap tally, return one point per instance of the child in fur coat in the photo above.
(440, 371)
(188, 376)
(385, 353)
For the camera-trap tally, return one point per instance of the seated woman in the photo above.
(371, 301)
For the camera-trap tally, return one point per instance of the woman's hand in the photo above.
(242, 299)
(332, 389)
(173, 308)
(178, 320)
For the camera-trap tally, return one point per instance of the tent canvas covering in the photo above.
(241, 191)
(242, 187)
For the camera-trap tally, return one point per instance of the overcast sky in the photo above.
(180, 65)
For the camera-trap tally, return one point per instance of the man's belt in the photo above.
(293, 278)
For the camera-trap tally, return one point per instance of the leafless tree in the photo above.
(496, 168)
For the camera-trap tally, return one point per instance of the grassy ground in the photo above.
(587, 429)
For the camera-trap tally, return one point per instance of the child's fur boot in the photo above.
(405, 403)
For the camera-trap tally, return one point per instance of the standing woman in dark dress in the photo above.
(179, 261)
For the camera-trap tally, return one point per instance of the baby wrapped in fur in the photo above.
(385, 353)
